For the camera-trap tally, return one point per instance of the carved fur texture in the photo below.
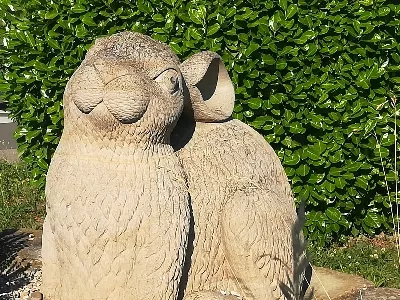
(155, 193)
(244, 213)
(117, 203)
(247, 238)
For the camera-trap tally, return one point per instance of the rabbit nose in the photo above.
(126, 97)
(88, 89)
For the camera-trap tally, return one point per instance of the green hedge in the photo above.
(316, 78)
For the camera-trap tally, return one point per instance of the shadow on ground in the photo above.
(12, 273)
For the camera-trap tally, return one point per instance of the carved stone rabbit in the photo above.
(117, 203)
(247, 240)
(130, 218)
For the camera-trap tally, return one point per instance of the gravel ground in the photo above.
(31, 280)
(20, 264)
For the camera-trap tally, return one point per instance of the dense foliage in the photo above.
(317, 78)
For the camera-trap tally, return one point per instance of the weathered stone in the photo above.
(30, 255)
(248, 238)
(134, 214)
(328, 284)
(21, 247)
(377, 294)
(118, 213)
(24, 295)
(36, 296)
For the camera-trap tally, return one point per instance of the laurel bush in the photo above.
(318, 79)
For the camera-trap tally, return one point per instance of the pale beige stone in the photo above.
(117, 203)
(36, 296)
(247, 237)
(129, 217)
(376, 294)
(211, 95)
(327, 284)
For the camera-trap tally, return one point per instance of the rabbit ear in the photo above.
(211, 92)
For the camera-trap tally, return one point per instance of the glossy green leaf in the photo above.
(268, 59)
(231, 11)
(372, 220)
(369, 126)
(281, 64)
(283, 4)
(213, 29)
(315, 151)
(312, 49)
(145, 6)
(329, 186)
(175, 47)
(291, 11)
(316, 178)
(88, 20)
(81, 31)
(383, 11)
(196, 16)
(362, 182)
(333, 214)
(77, 8)
(292, 160)
(251, 48)
(254, 103)
(276, 99)
(296, 127)
(395, 79)
(158, 18)
(53, 43)
(303, 170)
(340, 182)
(195, 33)
(307, 35)
(43, 164)
(51, 14)
(30, 39)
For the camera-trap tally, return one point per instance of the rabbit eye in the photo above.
(170, 81)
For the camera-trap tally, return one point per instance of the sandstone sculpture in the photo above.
(129, 217)
(246, 236)
(117, 204)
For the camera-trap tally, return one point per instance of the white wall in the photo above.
(4, 117)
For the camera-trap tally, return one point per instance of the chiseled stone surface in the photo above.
(118, 213)
(378, 294)
(36, 296)
(329, 284)
(31, 253)
(248, 239)
(134, 212)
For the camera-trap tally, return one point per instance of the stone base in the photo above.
(333, 285)
(379, 294)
